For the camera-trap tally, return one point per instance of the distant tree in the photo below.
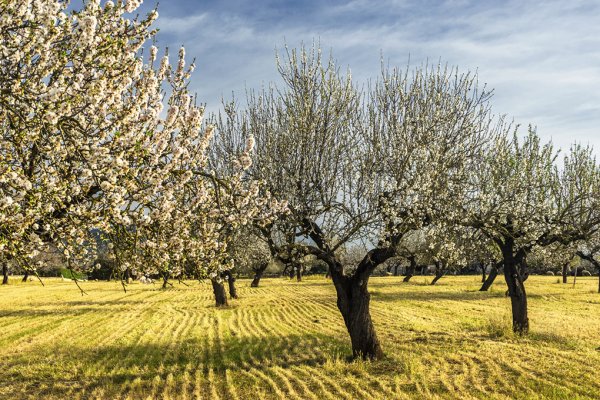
(519, 199)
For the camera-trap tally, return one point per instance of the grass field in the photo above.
(286, 340)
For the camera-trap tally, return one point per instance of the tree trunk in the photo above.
(25, 276)
(4, 273)
(410, 272)
(565, 271)
(516, 289)
(483, 277)
(219, 291)
(258, 273)
(438, 276)
(353, 300)
(298, 273)
(439, 272)
(231, 284)
(396, 269)
(490, 278)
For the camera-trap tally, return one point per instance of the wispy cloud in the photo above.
(542, 58)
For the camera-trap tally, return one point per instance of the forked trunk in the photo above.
(516, 290)
(410, 272)
(258, 273)
(353, 300)
(219, 292)
(490, 278)
(5, 273)
(231, 284)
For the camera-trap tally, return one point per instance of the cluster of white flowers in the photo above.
(84, 145)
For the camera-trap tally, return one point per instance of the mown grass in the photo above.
(286, 340)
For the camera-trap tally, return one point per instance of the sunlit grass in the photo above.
(287, 340)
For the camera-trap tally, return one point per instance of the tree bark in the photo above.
(4, 273)
(25, 276)
(258, 273)
(490, 278)
(565, 272)
(396, 269)
(219, 292)
(298, 273)
(231, 284)
(410, 272)
(439, 272)
(516, 288)
(353, 301)
(483, 277)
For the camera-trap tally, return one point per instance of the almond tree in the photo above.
(85, 144)
(520, 199)
(361, 168)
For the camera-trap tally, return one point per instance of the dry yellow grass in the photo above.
(287, 340)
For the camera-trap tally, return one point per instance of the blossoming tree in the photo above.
(361, 171)
(86, 144)
(519, 198)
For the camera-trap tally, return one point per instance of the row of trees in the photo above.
(102, 136)
(417, 153)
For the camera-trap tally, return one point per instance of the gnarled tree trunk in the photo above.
(231, 283)
(516, 288)
(353, 301)
(219, 292)
(410, 272)
(258, 273)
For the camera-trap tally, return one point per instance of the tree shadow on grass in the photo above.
(433, 295)
(59, 370)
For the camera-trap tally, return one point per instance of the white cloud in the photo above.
(542, 58)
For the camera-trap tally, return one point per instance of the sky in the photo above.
(542, 58)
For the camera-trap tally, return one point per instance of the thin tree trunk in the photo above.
(298, 273)
(483, 277)
(25, 276)
(353, 300)
(439, 272)
(231, 284)
(219, 292)
(490, 278)
(410, 272)
(438, 276)
(5, 273)
(396, 269)
(165, 277)
(258, 273)
(565, 272)
(516, 289)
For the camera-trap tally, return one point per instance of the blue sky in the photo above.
(541, 57)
